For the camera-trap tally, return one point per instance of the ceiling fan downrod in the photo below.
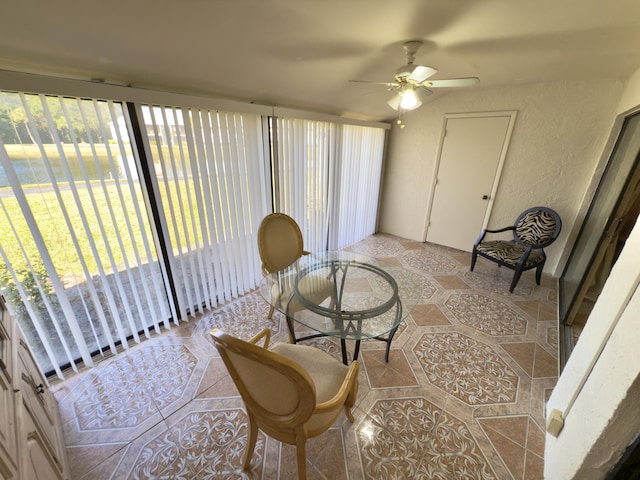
(410, 49)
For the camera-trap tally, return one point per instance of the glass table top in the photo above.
(344, 294)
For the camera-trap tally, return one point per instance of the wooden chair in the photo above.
(280, 245)
(535, 229)
(291, 392)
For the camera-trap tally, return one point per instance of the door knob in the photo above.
(485, 197)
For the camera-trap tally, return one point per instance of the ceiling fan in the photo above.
(412, 82)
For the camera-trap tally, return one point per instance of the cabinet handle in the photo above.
(40, 388)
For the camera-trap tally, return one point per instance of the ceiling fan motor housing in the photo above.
(410, 49)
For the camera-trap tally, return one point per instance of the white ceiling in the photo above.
(302, 53)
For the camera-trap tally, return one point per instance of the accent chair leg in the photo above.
(474, 257)
(351, 398)
(516, 278)
(539, 273)
(302, 456)
(251, 443)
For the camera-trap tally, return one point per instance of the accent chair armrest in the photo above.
(346, 389)
(266, 334)
(505, 229)
(484, 232)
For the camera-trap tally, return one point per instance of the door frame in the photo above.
(436, 168)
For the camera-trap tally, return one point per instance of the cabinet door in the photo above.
(8, 469)
(38, 460)
(8, 448)
(6, 341)
(39, 412)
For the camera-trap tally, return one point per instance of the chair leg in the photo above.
(302, 456)
(271, 309)
(514, 282)
(474, 257)
(251, 444)
(539, 273)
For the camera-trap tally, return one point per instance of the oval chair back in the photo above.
(279, 242)
(291, 393)
(537, 227)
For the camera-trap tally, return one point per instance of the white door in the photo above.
(471, 156)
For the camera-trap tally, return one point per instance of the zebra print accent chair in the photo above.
(535, 229)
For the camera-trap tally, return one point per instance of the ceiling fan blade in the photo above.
(452, 82)
(423, 92)
(421, 73)
(388, 84)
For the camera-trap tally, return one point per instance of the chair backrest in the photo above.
(537, 227)
(276, 391)
(279, 242)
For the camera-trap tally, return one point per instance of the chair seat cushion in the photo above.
(314, 288)
(509, 253)
(326, 372)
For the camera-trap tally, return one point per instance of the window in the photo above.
(121, 219)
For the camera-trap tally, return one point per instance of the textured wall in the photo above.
(559, 134)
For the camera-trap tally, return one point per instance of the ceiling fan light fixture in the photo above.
(409, 100)
(394, 102)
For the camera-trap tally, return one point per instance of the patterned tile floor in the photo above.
(461, 397)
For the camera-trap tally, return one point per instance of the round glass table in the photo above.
(344, 295)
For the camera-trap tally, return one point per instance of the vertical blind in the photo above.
(119, 220)
(358, 177)
(302, 165)
(80, 236)
(209, 173)
(328, 179)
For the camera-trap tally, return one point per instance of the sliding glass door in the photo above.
(76, 235)
(327, 177)
(207, 169)
(120, 219)
(611, 215)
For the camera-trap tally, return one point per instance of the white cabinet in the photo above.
(31, 443)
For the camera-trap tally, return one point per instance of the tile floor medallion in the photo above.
(203, 444)
(462, 395)
(242, 318)
(466, 368)
(113, 400)
(485, 314)
(429, 261)
(421, 289)
(411, 438)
